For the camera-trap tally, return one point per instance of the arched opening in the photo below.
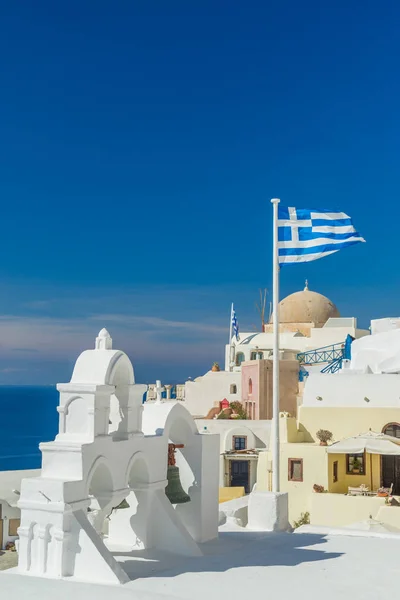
(181, 429)
(100, 484)
(239, 358)
(233, 388)
(129, 522)
(76, 417)
(121, 376)
(100, 492)
(250, 386)
(138, 473)
(390, 465)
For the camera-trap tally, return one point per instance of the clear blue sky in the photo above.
(140, 145)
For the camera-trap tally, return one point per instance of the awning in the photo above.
(370, 442)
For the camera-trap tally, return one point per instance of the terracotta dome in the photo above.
(307, 307)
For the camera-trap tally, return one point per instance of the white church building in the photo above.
(309, 323)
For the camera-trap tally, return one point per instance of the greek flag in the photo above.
(306, 234)
(235, 324)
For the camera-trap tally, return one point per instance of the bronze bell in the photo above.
(123, 504)
(174, 490)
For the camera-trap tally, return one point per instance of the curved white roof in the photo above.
(103, 364)
(264, 341)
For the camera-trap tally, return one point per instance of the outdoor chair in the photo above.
(357, 491)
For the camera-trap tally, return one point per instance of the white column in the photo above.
(230, 359)
(158, 391)
(275, 372)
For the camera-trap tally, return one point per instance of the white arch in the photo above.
(144, 476)
(158, 420)
(100, 461)
(120, 371)
(239, 431)
(103, 367)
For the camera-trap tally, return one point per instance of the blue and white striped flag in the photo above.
(235, 324)
(307, 234)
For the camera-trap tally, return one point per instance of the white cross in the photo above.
(158, 389)
(297, 224)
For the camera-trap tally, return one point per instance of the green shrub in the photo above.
(304, 520)
(238, 408)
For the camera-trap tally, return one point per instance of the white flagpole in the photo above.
(275, 355)
(230, 340)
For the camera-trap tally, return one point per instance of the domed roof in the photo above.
(307, 307)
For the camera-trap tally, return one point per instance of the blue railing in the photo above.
(332, 355)
(321, 355)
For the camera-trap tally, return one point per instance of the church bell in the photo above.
(174, 490)
(123, 504)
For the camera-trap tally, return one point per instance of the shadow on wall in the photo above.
(306, 435)
(283, 549)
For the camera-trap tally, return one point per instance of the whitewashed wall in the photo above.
(201, 394)
(258, 437)
(352, 389)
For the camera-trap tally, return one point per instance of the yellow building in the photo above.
(305, 463)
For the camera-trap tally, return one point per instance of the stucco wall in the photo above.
(288, 388)
(202, 394)
(349, 389)
(251, 371)
(258, 437)
(345, 422)
(315, 470)
(258, 432)
(338, 510)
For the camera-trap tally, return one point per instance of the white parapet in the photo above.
(268, 511)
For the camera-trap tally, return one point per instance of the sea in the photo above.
(28, 416)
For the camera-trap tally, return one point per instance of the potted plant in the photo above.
(215, 367)
(318, 489)
(356, 466)
(324, 436)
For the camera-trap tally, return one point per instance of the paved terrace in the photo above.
(305, 566)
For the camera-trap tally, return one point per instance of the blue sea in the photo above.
(28, 416)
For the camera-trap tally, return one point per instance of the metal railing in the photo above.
(326, 354)
(332, 355)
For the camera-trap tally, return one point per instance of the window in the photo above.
(233, 389)
(295, 469)
(256, 356)
(335, 471)
(239, 358)
(250, 386)
(392, 429)
(355, 464)
(239, 443)
(13, 525)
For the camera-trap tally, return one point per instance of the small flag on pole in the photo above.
(235, 324)
(308, 234)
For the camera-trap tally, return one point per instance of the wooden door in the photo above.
(391, 464)
(240, 474)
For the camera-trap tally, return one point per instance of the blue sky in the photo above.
(140, 145)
